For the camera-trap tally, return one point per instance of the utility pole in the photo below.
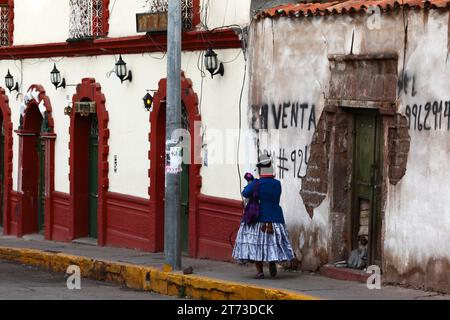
(172, 225)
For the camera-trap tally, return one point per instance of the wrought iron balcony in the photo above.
(86, 19)
(4, 25)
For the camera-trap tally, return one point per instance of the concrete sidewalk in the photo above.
(210, 280)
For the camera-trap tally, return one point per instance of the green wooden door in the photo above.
(41, 182)
(2, 172)
(184, 191)
(93, 177)
(184, 184)
(366, 217)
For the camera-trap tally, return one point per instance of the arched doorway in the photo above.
(36, 163)
(6, 155)
(89, 182)
(2, 170)
(190, 177)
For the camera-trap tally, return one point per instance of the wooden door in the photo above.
(366, 217)
(93, 178)
(2, 172)
(184, 186)
(40, 146)
(184, 190)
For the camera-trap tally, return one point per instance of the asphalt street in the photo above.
(19, 282)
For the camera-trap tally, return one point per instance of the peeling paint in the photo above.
(417, 146)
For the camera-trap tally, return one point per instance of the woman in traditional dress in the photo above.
(265, 239)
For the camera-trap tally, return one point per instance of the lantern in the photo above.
(148, 101)
(9, 82)
(212, 64)
(121, 70)
(55, 78)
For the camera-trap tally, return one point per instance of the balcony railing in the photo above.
(187, 8)
(86, 19)
(4, 25)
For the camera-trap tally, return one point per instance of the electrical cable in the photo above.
(240, 126)
(112, 8)
(225, 13)
(244, 50)
(200, 67)
(405, 42)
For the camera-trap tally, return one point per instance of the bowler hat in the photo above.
(265, 165)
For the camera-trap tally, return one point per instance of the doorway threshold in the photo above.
(86, 241)
(345, 274)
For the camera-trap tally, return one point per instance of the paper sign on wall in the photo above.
(174, 160)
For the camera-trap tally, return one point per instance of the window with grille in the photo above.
(189, 10)
(88, 19)
(6, 25)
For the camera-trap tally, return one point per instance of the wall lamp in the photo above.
(148, 100)
(212, 64)
(55, 77)
(121, 71)
(9, 82)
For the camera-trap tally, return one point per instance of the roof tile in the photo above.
(346, 6)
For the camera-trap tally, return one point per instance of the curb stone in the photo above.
(147, 278)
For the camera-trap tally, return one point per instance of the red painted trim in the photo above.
(191, 41)
(119, 197)
(27, 208)
(60, 222)
(10, 4)
(15, 197)
(11, 21)
(219, 220)
(235, 205)
(48, 104)
(128, 222)
(196, 19)
(50, 139)
(105, 18)
(157, 154)
(344, 274)
(7, 182)
(89, 89)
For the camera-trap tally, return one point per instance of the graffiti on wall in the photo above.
(407, 84)
(289, 162)
(430, 116)
(285, 115)
(433, 115)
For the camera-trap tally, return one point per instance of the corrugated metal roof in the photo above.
(346, 6)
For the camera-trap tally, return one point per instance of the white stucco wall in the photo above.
(40, 21)
(225, 12)
(44, 21)
(418, 212)
(290, 63)
(129, 122)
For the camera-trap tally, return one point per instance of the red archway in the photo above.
(157, 140)
(36, 121)
(7, 182)
(88, 90)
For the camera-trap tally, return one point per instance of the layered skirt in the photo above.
(255, 244)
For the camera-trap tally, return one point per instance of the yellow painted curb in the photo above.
(147, 278)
